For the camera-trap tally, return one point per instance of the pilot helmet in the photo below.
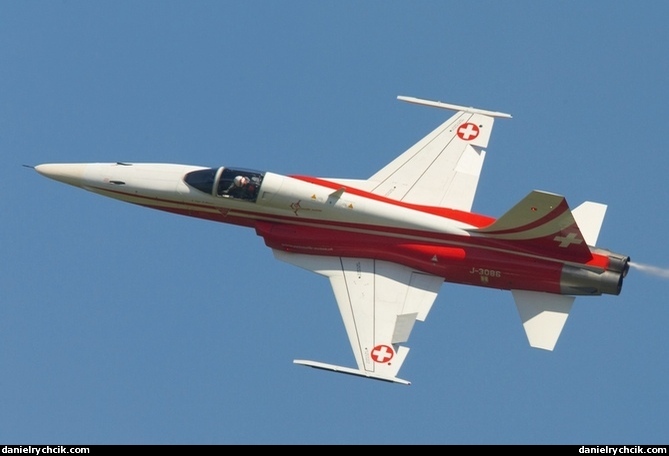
(241, 181)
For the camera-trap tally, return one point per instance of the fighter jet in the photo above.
(389, 242)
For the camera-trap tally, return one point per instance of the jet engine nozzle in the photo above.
(583, 281)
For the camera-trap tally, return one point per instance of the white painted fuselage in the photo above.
(388, 242)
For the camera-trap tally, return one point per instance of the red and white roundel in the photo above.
(468, 131)
(382, 353)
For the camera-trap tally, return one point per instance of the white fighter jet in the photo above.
(387, 243)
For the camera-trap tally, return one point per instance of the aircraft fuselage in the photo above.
(316, 216)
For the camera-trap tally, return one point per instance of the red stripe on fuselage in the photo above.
(353, 234)
(149, 198)
(469, 218)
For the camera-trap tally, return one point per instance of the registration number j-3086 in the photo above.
(484, 272)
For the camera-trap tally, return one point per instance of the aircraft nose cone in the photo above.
(69, 173)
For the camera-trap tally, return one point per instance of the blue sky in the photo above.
(122, 325)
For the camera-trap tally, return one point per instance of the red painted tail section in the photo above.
(541, 224)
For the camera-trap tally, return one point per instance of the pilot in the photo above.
(238, 186)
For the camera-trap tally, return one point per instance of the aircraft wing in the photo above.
(443, 168)
(379, 303)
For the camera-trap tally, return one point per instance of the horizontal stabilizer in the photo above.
(589, 217)
(543, 316)
(350, 371)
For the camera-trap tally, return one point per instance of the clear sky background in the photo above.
(122, 325)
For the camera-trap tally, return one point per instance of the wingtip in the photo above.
(349, 371)
(453, 107)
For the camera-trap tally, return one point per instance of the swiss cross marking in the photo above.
(382, 353)
(566, 241)
(468, 131)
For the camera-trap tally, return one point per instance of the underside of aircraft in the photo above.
(389, 242)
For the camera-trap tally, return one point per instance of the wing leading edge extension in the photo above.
(379, 304)
(443, 168)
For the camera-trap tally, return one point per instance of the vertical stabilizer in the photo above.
(543, 223)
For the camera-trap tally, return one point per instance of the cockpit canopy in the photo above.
(238, 183)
